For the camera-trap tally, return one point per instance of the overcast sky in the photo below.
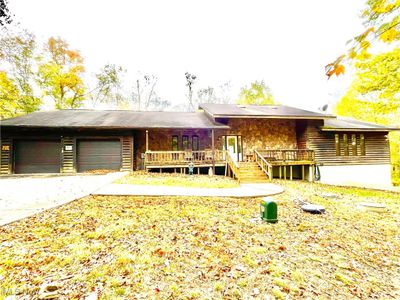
(286, 43)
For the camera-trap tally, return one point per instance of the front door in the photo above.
(233, 147)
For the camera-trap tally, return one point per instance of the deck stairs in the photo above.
(250, 172)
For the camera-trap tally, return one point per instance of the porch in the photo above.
(283, 164)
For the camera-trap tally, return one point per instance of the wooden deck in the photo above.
(182, 159)
(268, 161)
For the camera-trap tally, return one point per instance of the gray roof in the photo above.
(123, 119)
(348, 124)
(264, 111)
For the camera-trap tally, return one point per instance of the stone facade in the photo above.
(264, 133)
(256, 134)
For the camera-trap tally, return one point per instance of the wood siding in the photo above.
(6, 156)
(127, 153)
(377, 150)
(68, 155)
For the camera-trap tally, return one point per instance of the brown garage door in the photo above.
(34, 156)
(99, 155)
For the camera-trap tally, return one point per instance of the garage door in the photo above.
(32, 156)
(99, 155)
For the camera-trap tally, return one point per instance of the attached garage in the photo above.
(37, 156)
(98, 155)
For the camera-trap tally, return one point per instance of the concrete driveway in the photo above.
(23, 196)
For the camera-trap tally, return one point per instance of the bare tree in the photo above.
(108, 86)
(144, 94)
(190, 80)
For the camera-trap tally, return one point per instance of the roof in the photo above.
(348, 124)
(113, 119)
(256, 111)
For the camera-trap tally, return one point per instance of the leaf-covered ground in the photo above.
(198, 181)
(208, 248)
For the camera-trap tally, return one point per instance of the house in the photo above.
(251, 143)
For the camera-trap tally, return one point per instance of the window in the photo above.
(174, 143)
(195, 143)
(344, 142)
(337, 144)
(362, 144)
(354, 144)
(345, 145)
(185, 142)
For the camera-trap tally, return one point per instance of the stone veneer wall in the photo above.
(264, 133)
(256, 134)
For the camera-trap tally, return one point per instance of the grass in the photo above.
(209, 248)
(198, 181)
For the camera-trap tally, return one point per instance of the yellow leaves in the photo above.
(336, 67)
(389, 35)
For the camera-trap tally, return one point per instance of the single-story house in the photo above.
(248, 142)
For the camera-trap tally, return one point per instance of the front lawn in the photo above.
(198, 181)
(208, 248)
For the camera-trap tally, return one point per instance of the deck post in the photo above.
(302, 172)
(147, 140)
(291, 172)
(213, 150)
(284, 172)
(280, 172)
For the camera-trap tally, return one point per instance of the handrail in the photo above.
(265, 166)
(232, 163)
(179, 157)
(288, 154)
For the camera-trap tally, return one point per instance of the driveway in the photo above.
(23, 196)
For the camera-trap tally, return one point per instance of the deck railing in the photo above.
(287, 155)
(265, 166)
(166, 158)
(232, 163)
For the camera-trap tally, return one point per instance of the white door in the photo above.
(232, 148)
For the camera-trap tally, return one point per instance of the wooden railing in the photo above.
(232, 163)
(287, 155)
(265, 166)
(166, 158)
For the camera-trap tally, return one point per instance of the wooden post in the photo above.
(302, 172)
(213, 150)
(280, 172)
(147, 140)
(284, 172)
(291, 172)
(198, 171)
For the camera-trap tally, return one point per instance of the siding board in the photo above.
(323, 143)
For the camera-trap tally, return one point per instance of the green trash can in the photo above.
(269, 210)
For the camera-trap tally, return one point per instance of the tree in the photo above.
(220, 94)
(17, 58)
(206, 95)
(9, 96)
(257, 94)
(108, 85)
(374, 96)
(381, 19)
(5, 15)
(60, 74)
(190, 80)
(144, 94)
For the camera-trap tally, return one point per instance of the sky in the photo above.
(285, 43)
